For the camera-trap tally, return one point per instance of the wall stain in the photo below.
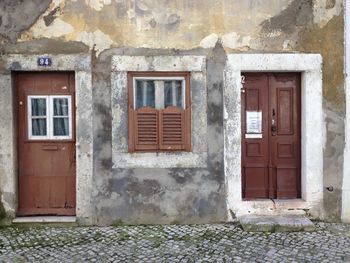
(18, 15)
(48, 19)
(329, 41)
(298, 13)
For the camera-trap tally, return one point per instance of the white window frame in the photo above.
(49, 117)
(159, 92)
(30, 117)
(51, 104)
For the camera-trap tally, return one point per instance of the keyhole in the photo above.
(273, 112)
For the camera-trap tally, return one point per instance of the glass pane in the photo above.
(145, 94)
(38, 107)
(39, 127)
(60, 107)
(173, 93)
(60, 126)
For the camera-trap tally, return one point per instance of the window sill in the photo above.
(160, 160)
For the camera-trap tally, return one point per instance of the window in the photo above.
(49, 117)
(159, 111)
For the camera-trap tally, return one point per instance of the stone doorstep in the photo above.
(44, 219)
(278, 223)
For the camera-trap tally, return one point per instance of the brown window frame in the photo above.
(159, 116)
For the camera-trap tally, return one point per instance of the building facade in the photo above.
(144, 111)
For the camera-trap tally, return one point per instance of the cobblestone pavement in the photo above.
(176, 243)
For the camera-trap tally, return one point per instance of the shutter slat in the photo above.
(146, 127)
(172, 129)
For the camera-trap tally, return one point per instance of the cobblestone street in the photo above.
(185, 243)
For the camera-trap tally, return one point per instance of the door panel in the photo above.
(285, 144)
(46, 162)
(277, 152)
(255, 151)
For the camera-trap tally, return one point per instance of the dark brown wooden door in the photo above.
(46, 143)
(271, 135)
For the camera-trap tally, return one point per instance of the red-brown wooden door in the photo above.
(46, 143)
(271, 151)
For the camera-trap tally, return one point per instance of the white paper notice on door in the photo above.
(254, 121)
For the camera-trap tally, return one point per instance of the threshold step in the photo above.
(44, 219)
(276, 223)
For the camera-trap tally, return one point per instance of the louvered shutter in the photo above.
(173, 129)
(146, 129)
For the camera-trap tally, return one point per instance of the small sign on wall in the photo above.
(44, 62)
(254, 121)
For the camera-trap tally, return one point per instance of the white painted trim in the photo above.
(81, 65)
(30, 117)
(159, 94)
(51, 117)
(310, 66)
(159, 63)
(345, 215)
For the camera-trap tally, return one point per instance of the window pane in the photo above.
(39, 127)
(173, 93)
(145, 94)
(38, 107)
(60, 107)
(60, 126)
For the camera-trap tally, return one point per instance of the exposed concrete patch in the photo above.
(18, 15)
(296, 14)
(236, 41)
(253, 223)
(332, 49)
(97, 4)
(209, 41)
(97, 40)
(50, 46)
(325, 10)
(333, 159)
(49, 18)
(57, 28)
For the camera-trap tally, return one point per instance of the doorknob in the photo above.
(273, 123)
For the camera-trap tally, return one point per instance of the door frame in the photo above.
(81, 65)
(310, 67)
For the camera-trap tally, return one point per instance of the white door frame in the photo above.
(312, 132)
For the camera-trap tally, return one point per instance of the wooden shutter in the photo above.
(173, 129)
(145, 129)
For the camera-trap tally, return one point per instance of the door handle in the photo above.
(273, 125)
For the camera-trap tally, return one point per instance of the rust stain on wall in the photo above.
(329, 41)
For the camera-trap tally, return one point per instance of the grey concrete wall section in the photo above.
(160, 194)
(16, 16)
(8, 189)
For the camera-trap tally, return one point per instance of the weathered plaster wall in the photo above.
(162, 195)
(154, 27)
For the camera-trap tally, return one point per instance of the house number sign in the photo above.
(44, 62)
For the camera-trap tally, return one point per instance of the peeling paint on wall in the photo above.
(325, 10)
(97, 40)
